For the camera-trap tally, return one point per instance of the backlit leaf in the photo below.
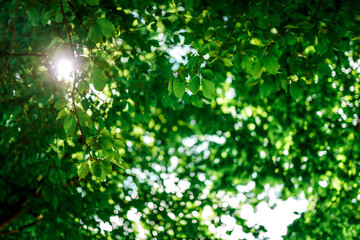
(83, 170)
(208, 88)
(98, 78)
(178, 87)
(107, 27)
(194, 84)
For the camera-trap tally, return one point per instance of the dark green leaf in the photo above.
(107, 27)
(208, 74)
(53, 176)
(95, 34)
(96, 168)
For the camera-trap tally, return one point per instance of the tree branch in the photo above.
(77, 15)
(24, 54)
(22, 227)
(14, 215)
(73, 88)
(233, 28)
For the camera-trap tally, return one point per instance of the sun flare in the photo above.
(64, 69)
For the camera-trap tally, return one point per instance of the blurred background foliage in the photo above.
(263, 92)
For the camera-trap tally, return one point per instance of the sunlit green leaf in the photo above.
(98, 78)
(194, 84)
(271, 64)
(83, 170)
(208, 88)
(178, 87)
(70, 124)
(227, 62)
(62, 113)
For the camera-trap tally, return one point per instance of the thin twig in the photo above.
(93, 92)
(73, 89)
(4, 12)
(317, 9)
(15, 215)
(77, 15)
(233, 28)
(12, 43)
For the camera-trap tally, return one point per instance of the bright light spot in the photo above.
(64, 69)
(178, 53)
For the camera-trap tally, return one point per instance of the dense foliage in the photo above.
(267, 91)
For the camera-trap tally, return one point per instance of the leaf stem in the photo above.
(73, 88)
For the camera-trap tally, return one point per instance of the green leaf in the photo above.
(266, 88)
(81, 61)
(61, 175)
(246, 62)
(82, 86)
(105, 142)
(93, 2)
(194, 84)
(189, 4)
(60, 104)
(70, 124)
(96, 168)
(170, 86)
(107, 27)
(322, 46)
(108, 152)
(255, 70)
(208, 88)
(227, 62)
(54, 41)
(106, 132)
(178, 87)
(208, 74)
(118, 143)
(53, 176)
(107, 168)
(119, 162)
(295, 90)
(271, 64)
(58, 17)
(62, 113)
(237, 60)
(55, 202)
(98, 78)
(252, 82)
(94, 33)
(197, 101)
(83, 170)
(34, 17)
(84, 118)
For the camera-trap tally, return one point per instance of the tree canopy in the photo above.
(265, 92)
